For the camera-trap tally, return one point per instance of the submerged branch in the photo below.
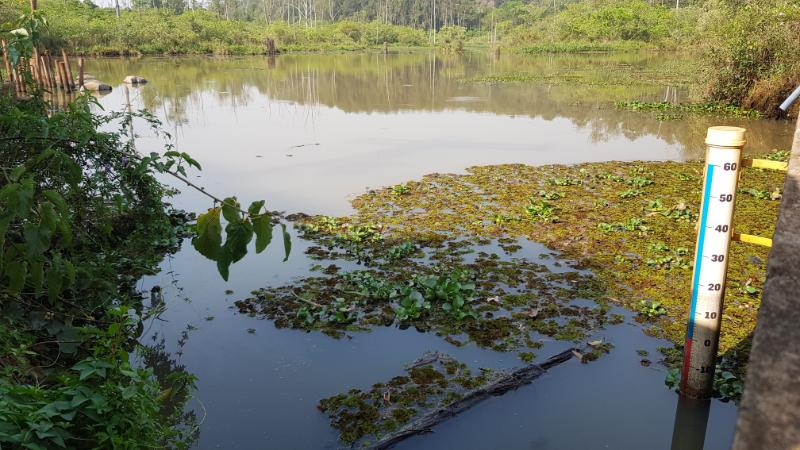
(508, 382)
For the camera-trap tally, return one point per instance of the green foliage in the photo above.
(751, 57)
(411, 306)
(630, 193)
(451, 38)
(559, 181)
(551, 195)
(719, 109)
(454, 291)
(100, 397)
(778, 155)
(81, 216)
(651, 310)
(632, 224)
(157, 31)
(673, 379)
(678, 258)
(401, 251)
(239, 231)
(627, 20)
(541, 210)
(399, 189)
(761, 194)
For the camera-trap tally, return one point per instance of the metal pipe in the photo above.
(790, 99)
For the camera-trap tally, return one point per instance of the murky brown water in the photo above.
(308, 132)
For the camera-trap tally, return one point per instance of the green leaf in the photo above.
(238, 235)
(55, 283)
(69, 271)
(16, 173)
(37, 275)
(255, 208)
(16, 271)
(209, 234)
(262, 225)
(287, 242)
(56, 199)
(223, 265)
(230, 210)
(37, 239)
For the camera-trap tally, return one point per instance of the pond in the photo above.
(308, 133)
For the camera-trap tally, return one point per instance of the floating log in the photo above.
(510, 381)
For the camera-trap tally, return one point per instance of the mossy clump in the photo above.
(434, 381)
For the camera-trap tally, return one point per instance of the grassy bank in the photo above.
(749, 52)
(96, 31)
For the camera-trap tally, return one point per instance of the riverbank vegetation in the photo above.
(82, 218)
(747, 49)
(81, 221)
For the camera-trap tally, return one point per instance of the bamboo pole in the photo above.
(19, 85)
(56, 74)
(51, 71)
(21, 67)
(62, 78)
(68, 69)
(45, 73)
(7, 62)
(38, 73)
(62, 73)
(80, 72)
(32, 68)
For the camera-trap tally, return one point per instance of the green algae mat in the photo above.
(440, 255)
(631, 223)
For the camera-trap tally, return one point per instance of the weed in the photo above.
(401, 251)
(400, 189)
(630, 193)
(541, 210)
(564, 181)
(552, 195)
(651, 310)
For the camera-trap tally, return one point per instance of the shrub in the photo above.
(752, 60)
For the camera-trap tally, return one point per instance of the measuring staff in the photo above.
(723, 161)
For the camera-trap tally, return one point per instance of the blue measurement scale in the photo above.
(711, 259)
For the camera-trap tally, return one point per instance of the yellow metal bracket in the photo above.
(750, 239)
(766, 164)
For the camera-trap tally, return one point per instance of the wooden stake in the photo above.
(68, 69)
(80, 72)
(51, 71)
(38, 75)
(45, 73)
(62, 77)
(7, 62)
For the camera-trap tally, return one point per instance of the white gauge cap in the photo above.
(725, 136)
